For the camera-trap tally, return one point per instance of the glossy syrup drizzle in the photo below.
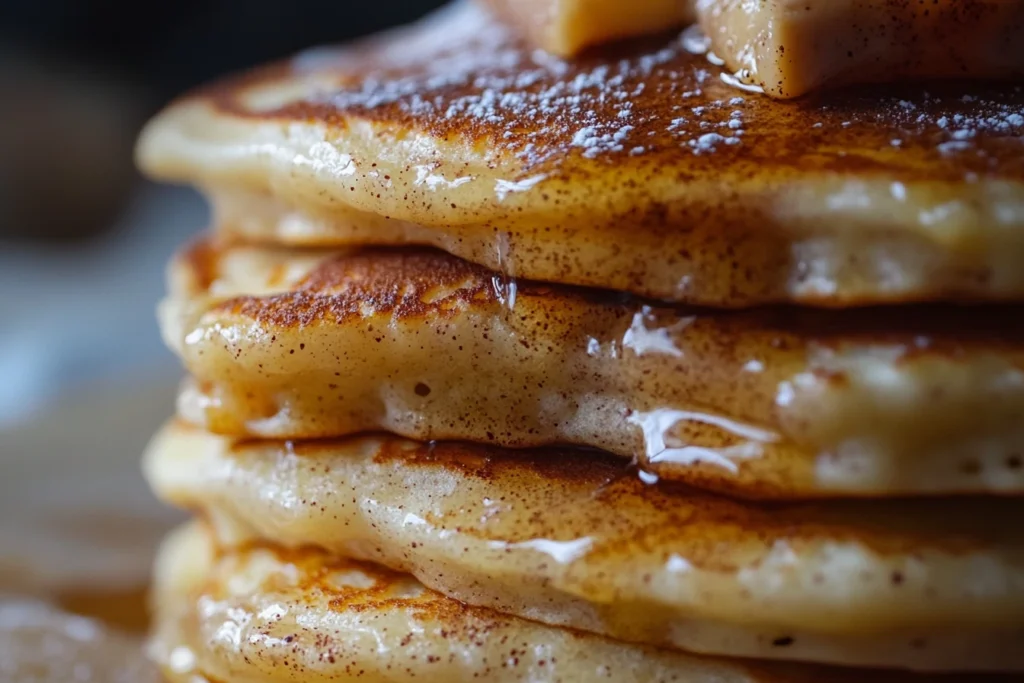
(504, 279)
(658, 427)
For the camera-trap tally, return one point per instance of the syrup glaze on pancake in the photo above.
(636, 169)
(567, 538)
(265, 614)
(299, 344)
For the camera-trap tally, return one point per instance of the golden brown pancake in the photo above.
(569, 539)
(768, 403)
(635, 169)
(263, 615)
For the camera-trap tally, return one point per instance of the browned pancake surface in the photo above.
(773, 402)
(636, 169)
(264, 614)
(571, 538)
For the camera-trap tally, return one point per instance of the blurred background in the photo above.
(84, 378)
(83, 240)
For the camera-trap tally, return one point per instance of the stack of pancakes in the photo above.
(510, 367)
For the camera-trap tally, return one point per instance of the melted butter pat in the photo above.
(776, 45)
(566, 27)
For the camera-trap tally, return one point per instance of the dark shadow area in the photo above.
(79, 77)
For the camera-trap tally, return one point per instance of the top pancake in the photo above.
(637, 169)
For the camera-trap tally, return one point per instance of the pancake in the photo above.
(635, 169)
(570, 539)
(262, 615)
(42, 644)
(766, 403)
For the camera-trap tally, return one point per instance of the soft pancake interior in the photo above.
(764, 403)
(264, 615)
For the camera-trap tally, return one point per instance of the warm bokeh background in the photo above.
(82, 240)
(84, 378)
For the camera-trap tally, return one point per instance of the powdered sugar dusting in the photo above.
(957, 121)
(464, 74)
(981, 115)
(591, 110)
